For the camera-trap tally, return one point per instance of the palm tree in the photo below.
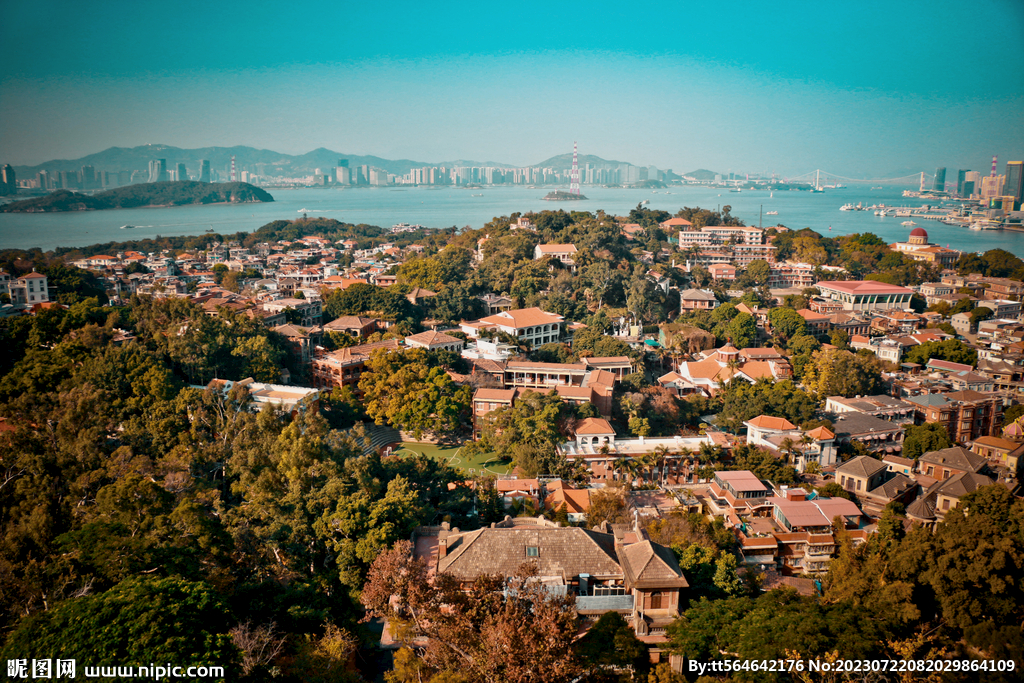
(662, 453)
(788, 445)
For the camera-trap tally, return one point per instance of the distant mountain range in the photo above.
(138, 158)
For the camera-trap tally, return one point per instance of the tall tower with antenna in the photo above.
(994, 159)
(574, 176)
(234, 175)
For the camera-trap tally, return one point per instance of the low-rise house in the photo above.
(486, 401)
(575, 502)
(878, 436)
(784, 438)
(530, 325)
(353, 325)
(966, 415)
(818, 324)
(310, 311)
(565, 253)
(670, 461)
(434, 341)
(697, 299)
(613, 570)
(513, 490)
(880, 406)
(935, 503)
(1002, 452)
(949, 462)
(706, 376)
(344, 367)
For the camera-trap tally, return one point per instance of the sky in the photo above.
(859, 89)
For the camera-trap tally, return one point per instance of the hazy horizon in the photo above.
(858, 90)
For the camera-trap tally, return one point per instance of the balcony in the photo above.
(604, 603)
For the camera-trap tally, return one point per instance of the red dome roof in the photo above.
(918, 232)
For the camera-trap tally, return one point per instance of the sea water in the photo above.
(461, 207)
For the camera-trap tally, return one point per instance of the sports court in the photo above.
(481, 464)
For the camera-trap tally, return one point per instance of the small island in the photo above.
(563, 196)
(170, 193)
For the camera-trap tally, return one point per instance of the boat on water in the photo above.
(847, 207)
(127, 227)
(876, 188)
(303, 211)
(646, 201)
(908, 223)
(771, 213)
(477, 195)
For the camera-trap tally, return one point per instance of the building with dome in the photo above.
(919, 248)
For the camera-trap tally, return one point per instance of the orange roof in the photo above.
(821, 434)
(595, 426)
(522, 317)
(557, 248)
(576, 501)
(768, 422)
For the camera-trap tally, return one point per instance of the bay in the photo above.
(450, 206)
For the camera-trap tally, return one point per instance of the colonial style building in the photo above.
(616, 569)
(866, 295)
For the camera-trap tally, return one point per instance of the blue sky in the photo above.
(861, 89)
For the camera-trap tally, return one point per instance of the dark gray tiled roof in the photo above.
(956, 457)
(562, 551)
(861, 466)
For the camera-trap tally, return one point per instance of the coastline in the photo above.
(147, 206)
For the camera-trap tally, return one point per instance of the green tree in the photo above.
(951, 350)
(786, 323)
(742, 330)
(139, 620)
(833, 372)
(925, 438)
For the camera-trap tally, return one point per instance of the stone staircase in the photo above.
(378, 436)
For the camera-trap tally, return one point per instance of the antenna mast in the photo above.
(574, 177)
(234, 176)
(994, 166)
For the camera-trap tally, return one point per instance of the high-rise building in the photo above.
(182, 172)
(89, 180)
(158, 170)
(342, 173)
(961, 176)
(940, 179)
(204, 171)
(991, 186)
(8, 182)
(1014, 184)
(43, 180)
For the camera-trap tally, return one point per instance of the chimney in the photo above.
(442, 548)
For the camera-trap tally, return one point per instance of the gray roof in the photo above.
(650, 564)
(896, 486)
(922, 508)
(561, 551)
(872, 404)
(964, 483)
(697, 295)
(957, 457)
(937, 400)
(853, 424)
(862, 466)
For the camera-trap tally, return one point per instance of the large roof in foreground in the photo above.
(863, 287)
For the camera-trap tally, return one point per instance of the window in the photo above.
(656, 600)
(532, 551)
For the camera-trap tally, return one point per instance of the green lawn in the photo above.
(485, 463)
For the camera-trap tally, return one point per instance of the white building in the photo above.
(529, 325)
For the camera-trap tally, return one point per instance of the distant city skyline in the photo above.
(864, 90)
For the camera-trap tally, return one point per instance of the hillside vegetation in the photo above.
(172, 193)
